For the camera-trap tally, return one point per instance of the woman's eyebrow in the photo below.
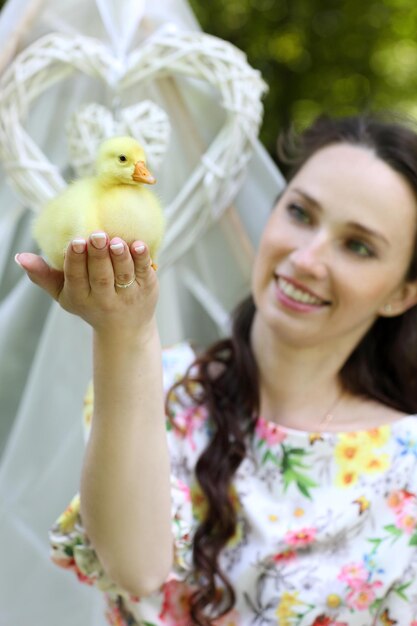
(368, 231)
(355, 225)
(310, 199)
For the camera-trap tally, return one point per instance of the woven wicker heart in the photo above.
(93, 123)
(217, 177)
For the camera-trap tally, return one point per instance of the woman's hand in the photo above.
(88, 285)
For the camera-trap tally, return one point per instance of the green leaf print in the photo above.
(299, 451)
(374, 607)
(377, 543)
(394, 531)
(391, 528)
(413, 540)
(399, 590)
(290, 464)
(268, 456)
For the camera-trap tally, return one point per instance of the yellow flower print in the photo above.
(66, 521)
(375, 464)
(347, 477)
(349, 453)
(354, 436)
(378, 436)
(356, 454)
(285, 609)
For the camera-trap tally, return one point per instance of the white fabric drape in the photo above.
(45, 353)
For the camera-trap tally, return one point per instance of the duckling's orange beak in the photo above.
(141, 174)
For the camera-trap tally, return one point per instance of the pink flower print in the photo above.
(269, 432)
(362, 596)
(400, 498)
(187, 421)
(407, 523)
(301, 537)
(354, 575)
(176, 604)
(184, 489)
(71, 564)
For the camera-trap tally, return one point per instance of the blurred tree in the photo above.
(335, 56)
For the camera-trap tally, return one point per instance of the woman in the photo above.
(292, 444)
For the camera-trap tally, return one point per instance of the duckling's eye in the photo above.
(122, 158)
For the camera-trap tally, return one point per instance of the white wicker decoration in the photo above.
(215, 181)
(93, 123)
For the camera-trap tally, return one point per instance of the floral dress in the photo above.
(326, 533)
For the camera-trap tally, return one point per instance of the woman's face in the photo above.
(336, 248)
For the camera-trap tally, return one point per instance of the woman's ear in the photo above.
(402, 300)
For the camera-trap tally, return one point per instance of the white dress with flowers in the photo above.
(326, 534)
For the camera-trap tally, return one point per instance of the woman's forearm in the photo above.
(125, 491)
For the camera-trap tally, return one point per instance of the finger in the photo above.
(40, 273)
(123, 267)
(142, 262)
(100, 268)
(75, 268)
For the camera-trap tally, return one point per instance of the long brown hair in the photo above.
(382, 367)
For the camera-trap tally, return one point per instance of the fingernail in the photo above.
(140, 249)
(78, 245)
(16, 258)
(117, 248)
(99, 240)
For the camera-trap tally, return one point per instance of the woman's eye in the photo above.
(299, 213)
(360, 248)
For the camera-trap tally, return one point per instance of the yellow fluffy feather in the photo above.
(115, 201)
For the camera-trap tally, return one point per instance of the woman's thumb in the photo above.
(40, 273)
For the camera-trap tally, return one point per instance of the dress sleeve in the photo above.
(70, 546)
(400, 605)
(71, 549)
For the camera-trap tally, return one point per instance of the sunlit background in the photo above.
(337, 56)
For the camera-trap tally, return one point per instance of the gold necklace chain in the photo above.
(328, 416)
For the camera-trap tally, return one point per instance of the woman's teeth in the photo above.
(297, 294)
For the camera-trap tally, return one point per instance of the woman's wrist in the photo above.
(126, 337)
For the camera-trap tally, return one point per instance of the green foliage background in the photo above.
(334, 56)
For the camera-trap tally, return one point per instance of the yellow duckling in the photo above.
(114, 201)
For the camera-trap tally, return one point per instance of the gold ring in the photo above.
(125, 285)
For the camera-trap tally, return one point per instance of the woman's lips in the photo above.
(296, 297)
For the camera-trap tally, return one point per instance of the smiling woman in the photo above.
(344, 232)
(291, 444)
(335, 237)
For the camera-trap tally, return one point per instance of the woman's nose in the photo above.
(311, 257)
